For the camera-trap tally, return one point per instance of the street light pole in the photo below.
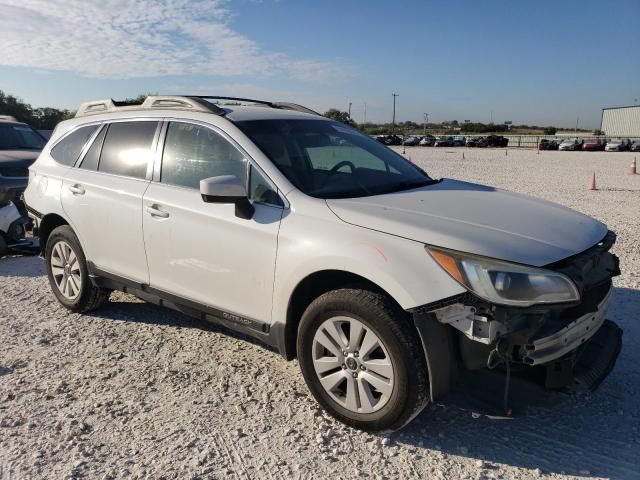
(426, 120)
(393, 124)
(349, 110)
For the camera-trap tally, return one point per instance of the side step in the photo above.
(599, 356)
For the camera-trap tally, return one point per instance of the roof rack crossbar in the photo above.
(281, 105)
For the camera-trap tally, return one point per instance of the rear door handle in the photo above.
(77, 189)
(154, 211)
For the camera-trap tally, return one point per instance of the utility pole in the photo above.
(393, 124)
(349, 110)
(426, 120)
(577, 120)
(365, 113)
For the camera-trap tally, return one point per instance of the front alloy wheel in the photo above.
(352, 364)
(362, 359)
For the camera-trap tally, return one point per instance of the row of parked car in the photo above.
(455, 141)
(593, 145)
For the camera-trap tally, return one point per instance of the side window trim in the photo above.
(251, 163)
(66, 134)
(86, 148)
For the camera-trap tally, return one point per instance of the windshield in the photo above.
(18, 137)
(327, 159)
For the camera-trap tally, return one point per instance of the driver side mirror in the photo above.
(227, 189)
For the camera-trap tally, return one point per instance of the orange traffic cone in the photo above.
(506, 152)
(592, 182)
(462, 156)
(632, 168)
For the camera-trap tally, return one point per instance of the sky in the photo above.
(544, 62)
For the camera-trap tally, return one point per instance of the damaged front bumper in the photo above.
(566, 343)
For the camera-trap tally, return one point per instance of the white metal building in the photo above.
(621, 121)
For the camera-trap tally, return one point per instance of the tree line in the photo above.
(46, 118)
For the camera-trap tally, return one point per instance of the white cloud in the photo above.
(122, 39)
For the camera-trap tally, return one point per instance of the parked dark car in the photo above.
(443, 142)
(459, 141)
(594, 145)
(497, 141)
(20, 146)
(635, 146)
(548, 144)
(478, 142)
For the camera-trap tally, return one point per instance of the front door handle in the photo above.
(155, 212)
(77, 189)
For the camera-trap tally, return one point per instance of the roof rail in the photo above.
(152, 102)
(196, 103)
(281, 105)
(7, 118)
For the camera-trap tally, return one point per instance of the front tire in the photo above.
(362, 360)
(68, 273)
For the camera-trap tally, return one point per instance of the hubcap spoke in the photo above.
(369, 343)
(336, 334)
(353, 402)
(56, 270)
(381, 367)
(383, 386)
(325, 364)
(327, 343)
(331, 381)
(355, 335)
(367, 399)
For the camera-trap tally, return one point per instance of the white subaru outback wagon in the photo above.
(326, 245)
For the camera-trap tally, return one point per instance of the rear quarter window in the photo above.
(69, 148)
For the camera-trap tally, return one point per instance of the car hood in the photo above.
(18, 158)
(476, 219)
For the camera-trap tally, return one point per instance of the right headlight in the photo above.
(506, 283)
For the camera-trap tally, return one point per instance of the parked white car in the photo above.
(571, 144)
(619, 145)
(321, 242)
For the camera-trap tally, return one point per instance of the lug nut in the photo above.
(344, 367)
(362, 367)
(355, 354)
(344, 354)
(355, 374)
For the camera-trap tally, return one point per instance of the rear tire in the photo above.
(68, 273)
(381, 383)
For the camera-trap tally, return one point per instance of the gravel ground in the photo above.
(137, 391)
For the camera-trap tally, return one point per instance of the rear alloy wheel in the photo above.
(68, 274)
(65, 270)
(362, 359)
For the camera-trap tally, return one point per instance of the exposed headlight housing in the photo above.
(506, 283)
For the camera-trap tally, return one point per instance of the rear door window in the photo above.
(127, 148)
(69, 148)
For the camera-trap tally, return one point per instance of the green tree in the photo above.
(549, 130)
(335, 114)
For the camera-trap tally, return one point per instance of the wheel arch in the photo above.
(48, 224)
(310, 288)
